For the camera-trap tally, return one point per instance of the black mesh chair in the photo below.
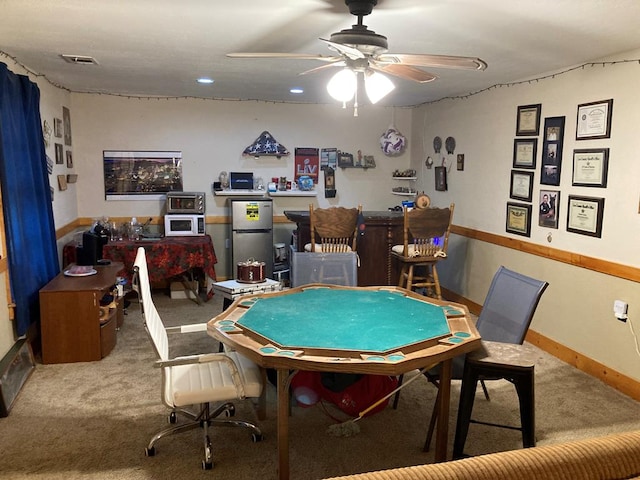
(503, 323)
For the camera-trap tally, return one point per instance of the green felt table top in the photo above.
(354, 320)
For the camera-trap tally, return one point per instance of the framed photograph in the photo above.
(66, 121)
(521, 185)
(62, 182)
(441, 179)
(328, 158)
(141, 175)
(460, 162)
(525, 151)
(590, 167)
(345, 160)
(519, 218)
(528, 120)
(584, 215)
(552, 151)
(57, 127)
(549, 205)
(59, 156)
(72, 177)
(594, 120)
(369, 161)
(69, 159)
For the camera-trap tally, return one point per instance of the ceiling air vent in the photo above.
(79, 59)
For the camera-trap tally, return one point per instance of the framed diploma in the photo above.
(525, 151)
(594, 120)
(584, 215)
(521, 185)
(519, 218)
(528, 120)
(590, 167)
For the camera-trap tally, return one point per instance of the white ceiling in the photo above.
(160, 47)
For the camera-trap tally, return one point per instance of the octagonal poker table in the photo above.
(369, 330)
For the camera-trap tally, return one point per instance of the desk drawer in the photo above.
(108, 335)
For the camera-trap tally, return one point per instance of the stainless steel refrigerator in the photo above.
(251, 232)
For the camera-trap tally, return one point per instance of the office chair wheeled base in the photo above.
(204, 419)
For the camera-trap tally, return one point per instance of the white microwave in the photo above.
(183, 225)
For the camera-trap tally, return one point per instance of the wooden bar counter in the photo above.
(383, 230)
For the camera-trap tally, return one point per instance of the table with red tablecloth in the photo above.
(167, 257)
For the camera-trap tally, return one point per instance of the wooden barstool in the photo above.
(334, 230)
(426, 237)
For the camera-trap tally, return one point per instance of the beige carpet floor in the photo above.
(93, 420)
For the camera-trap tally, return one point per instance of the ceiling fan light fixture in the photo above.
(377, 86)
(342, 86)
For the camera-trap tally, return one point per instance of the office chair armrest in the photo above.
(194, 327)
(206, 358)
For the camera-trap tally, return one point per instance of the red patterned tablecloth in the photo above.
(167, 257)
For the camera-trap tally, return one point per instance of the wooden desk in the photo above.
(327, 328)
(383, 231)
(70, 317)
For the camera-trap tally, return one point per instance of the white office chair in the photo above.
(195, 379)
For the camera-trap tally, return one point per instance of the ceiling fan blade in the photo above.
(323, 67)
(404, 71)
(350, 52)
(289, 56)
(426, 60)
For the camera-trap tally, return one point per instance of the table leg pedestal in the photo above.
(442, 432)
(283, 424)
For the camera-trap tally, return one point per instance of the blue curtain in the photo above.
(28, 214)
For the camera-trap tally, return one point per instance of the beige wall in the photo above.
(576, 309)
(212, 136)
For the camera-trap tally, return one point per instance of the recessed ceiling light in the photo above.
(205, 80)
(296, 90)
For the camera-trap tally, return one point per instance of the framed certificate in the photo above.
(525, 151)
(528, 120)
(594, 120)
(590, 167)
(521, 185)
(519, 218)
(584, 215)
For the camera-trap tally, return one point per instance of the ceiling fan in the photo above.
(361, 50)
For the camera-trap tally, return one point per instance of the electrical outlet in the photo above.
(620, 310)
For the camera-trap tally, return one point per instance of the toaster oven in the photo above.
(185, 202)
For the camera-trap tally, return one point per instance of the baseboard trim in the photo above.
(617, 380)
(614, 379)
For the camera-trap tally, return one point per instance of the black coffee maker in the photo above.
(90, 253)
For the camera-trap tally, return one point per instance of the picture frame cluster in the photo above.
(62, 147)
(584, 213)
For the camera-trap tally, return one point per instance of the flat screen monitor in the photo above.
(241, 180)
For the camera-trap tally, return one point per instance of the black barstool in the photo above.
(494, 361)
